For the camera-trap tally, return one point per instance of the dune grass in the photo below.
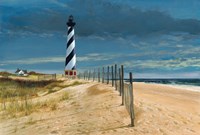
(21, 107)
(16, 96)
(16, 88)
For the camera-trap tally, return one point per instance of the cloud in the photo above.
(61, 4)
(27, 61)
(91, 57)
(172, 64)
(99, 18)
(189, 51)
(97, 57)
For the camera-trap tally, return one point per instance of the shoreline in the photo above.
(183, 87)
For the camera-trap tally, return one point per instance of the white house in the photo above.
(20, 72)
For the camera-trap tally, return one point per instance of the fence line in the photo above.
(117, 80)
(47, 77)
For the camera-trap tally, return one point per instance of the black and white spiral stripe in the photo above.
(70, 62)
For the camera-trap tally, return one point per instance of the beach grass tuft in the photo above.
(16, 96)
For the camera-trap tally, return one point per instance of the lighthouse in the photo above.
(70, 61)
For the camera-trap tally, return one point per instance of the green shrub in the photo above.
(65, 96)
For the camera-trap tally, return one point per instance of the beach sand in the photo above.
(167, 110)
(95, 109)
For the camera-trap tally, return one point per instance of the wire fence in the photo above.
(114, 76)
(47, 77)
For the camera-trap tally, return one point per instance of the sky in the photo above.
(151, 38)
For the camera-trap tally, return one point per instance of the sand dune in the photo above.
(96, 109)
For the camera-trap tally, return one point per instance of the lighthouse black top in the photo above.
(70, 22)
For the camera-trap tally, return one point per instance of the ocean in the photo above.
(187, 84)
(192, 82)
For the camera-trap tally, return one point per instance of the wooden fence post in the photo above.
(116, 76)
(131, 100)
(88, 74)
(112, 77)
(79, 75)
(122, 85)
(103, 75)
(108, 75)
(93, 75)
(53, 76)
(98, 75)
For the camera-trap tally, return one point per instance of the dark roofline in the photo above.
(18, 70)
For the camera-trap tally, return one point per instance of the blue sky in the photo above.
(152, 38)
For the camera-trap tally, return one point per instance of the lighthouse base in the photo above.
(70, 73)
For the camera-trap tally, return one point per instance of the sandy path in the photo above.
(95, 109)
